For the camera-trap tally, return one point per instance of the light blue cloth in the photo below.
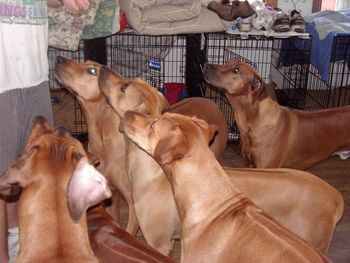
(323, 27)
(328, 21)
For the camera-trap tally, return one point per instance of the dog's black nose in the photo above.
(206, 67)
(60, 60)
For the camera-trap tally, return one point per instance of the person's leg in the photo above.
(8, 153)
(3, 233)
(27, 104)
(33, 102)
(36, 101)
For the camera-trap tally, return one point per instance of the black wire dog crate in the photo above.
(258, 51)
(156, 59)
(159, 60)
(314, 91)
(66, 109)
(335, 91)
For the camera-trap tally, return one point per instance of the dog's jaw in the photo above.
(212, 78)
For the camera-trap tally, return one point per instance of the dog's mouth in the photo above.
(209, 74)
(57, 74)
(208, 77)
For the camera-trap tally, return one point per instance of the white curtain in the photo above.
(342, 4)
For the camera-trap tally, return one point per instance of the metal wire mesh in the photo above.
(156, 59)
(222, 47)
(79, 127)
(283, 63)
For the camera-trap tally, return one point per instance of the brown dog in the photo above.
(58, 186)
(104, 140)
(112, 244)
(285, 194)
(219, 223)
(272, 135)
(149, 184)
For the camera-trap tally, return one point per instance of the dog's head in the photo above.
(130, 94)
(236, 78)
(169, 137)
(54, 170)
(80, 79)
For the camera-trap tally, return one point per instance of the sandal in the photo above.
(297, 22)
(282, 23)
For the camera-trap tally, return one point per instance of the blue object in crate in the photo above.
(153, 64)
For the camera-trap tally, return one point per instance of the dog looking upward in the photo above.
(158, 220)
(104, 139)
(218, 222)
(58, 185)
(272, 135)
(285, 194)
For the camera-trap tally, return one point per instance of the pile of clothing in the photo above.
(258, 15)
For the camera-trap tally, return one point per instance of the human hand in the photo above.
(77, 5)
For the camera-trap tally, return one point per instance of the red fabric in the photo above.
(122, 20)
(174, 92)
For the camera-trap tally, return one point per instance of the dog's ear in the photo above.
(16, 176)
(39, 128)
(164, 104)
(171, 148)
(213, 131)
(210, 129)
(86, 187)
(258, 87)
(11, 182)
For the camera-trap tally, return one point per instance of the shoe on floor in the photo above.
(282, 23)
(245, 24)
(231, 11)
(297, 22)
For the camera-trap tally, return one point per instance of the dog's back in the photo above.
(58, 186)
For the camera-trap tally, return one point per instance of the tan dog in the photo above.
(285, 194)
(104, 140)
(58, 186)
(112, 244)
(219, 223)
(159, 222)
(272, 135)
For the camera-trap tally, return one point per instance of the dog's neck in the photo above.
(192, 179)
(52, 229)
(249, 113)
(142, 168)
(102, 125)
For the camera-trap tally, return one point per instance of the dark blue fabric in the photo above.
(297, 51)
(321, 51)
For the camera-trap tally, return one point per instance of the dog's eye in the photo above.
(123, 87)
(92, 71)
(236, 70)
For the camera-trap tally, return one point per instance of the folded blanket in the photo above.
(166, 17)
(328, 21)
